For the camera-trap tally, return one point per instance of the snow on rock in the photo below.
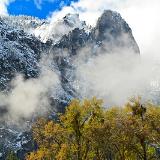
(24, 40)
(56, 29)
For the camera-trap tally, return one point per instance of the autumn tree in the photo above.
(87, 131)
(133, 135)
(70, 137)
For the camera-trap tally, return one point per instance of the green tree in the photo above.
(11, 156)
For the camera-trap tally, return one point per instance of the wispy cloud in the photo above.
(39, 3)
(3, 6)
(30, 97)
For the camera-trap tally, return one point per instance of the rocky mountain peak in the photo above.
(56, 29)
(111, 27)
(21, 51)
(112, 23)
(73, 21)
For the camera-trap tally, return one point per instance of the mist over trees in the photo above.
(88, 131)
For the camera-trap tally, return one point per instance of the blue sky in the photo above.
(38, 8)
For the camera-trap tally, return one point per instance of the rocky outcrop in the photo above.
(111, 28)
(20, 52)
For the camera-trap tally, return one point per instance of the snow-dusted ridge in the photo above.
(26, 23)
(25, 40)
(46, 29)
(54, 30)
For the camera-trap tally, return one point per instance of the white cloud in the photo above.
(30, 97)
(123, 80)
(3, 6)
(142, 16)
(39, 3)
(118, 76)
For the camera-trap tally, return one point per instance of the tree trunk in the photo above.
(144, 150)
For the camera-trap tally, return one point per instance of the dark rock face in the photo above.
(73, 41)
(110, 29)
(113, 29)
(112, 23)
(21, 52)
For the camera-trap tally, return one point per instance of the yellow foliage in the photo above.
(87, 131)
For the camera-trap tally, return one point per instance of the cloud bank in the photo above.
(142, 17)
(117, 75)
(113, 77)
